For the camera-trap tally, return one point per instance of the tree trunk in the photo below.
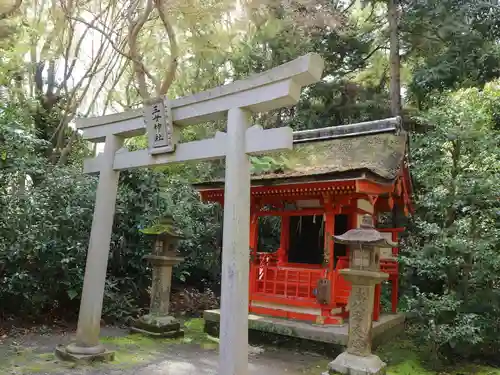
(395, 61)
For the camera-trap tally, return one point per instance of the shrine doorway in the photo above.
(307, 238)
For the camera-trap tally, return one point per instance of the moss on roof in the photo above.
(380, 154)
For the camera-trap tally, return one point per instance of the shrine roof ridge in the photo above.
(391, 124)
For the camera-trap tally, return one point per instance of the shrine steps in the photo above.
(291, 312)
(383, 330)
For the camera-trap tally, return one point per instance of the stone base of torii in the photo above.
(273, 89)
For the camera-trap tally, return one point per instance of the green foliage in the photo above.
(452, 44)
(45, 228)
(269, 234)
(406, 356)
(17, 146)
(267, 164)
(346, 49)
(200, 224)
(453, 252)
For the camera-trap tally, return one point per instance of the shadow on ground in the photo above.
(195, 353)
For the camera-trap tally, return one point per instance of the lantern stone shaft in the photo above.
(161, 284)
(158, 322)
(363, 274)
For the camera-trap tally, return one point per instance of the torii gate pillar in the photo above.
(235, 265)
(275, 88)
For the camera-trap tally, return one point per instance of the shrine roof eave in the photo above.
(261, 181)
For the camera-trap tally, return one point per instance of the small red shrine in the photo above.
(332, 177)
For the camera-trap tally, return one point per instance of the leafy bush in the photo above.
(45, 228)
(452, 254)
(192, 302)
(201, 226)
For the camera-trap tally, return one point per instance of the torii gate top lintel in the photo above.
(275, 88)
(272, 89)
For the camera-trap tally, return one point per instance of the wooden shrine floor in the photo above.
(383, 330)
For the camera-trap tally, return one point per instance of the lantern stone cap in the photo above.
(164, 227)
(364, 235)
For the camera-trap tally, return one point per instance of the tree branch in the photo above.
(74, 100)
(108, 70)
(111, 42)
(370, 54)
(113, 85)
(140, 70)
(51, 78)
(63, 158)
(346, 9)
(174, 51)
(9, 12)
(68, 68)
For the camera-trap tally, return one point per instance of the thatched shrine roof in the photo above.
(378, 155)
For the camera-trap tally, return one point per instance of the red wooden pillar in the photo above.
(329, 231)
(284, 239)
(254, 238)
(353, 222)
(329, 243)
(394, 294)
(395, 279)
(377, 302)
(395, 250)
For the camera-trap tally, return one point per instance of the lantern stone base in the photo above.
(74, 353)
(350, 364)
(158, 326)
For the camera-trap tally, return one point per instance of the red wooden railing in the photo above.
(298, 281)
(274, 279)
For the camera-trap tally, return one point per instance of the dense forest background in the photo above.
(435, 62)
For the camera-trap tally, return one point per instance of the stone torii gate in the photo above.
(275, 88)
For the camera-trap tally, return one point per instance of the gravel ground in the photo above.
(32, 353)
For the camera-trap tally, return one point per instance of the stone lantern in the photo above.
(363, 273)
(158, 322)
